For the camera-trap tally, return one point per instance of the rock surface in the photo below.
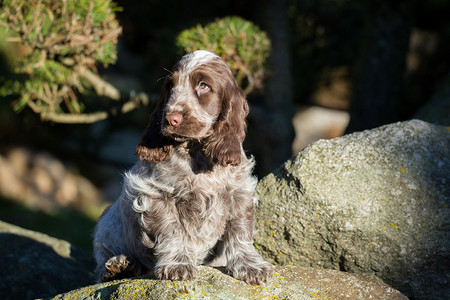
(34, 265)
(287, 283)
(38, 266)
(370, 202)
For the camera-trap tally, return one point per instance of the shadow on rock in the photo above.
(36, 268)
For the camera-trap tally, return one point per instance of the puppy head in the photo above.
(200, 100)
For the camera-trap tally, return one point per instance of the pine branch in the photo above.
(101, 87)
(134, 102)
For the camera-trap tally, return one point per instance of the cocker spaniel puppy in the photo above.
(189, 199)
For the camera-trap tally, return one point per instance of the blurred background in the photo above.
(79, 79)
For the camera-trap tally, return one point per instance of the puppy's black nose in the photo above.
(174, 119)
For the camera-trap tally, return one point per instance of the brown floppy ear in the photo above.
(224, 145)
(153, 145)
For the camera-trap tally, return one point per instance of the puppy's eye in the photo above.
(202, 87)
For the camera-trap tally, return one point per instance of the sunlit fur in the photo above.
(189, 199)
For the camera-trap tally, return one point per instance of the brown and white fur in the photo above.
(189, 199)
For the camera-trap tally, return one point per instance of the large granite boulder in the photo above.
(373, 202)
(35, 265)
(287, 283)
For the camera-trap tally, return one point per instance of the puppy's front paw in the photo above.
(254, 274)
(176, 272)
(118, 267)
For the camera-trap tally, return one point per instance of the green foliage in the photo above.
(55, 42)
(239, 42)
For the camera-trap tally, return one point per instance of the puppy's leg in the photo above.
(109, 248)
(243, 261)
(174, 258)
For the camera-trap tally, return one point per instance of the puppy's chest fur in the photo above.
(198, 201)
(202, 204)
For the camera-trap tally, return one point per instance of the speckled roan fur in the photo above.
(189, 199)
